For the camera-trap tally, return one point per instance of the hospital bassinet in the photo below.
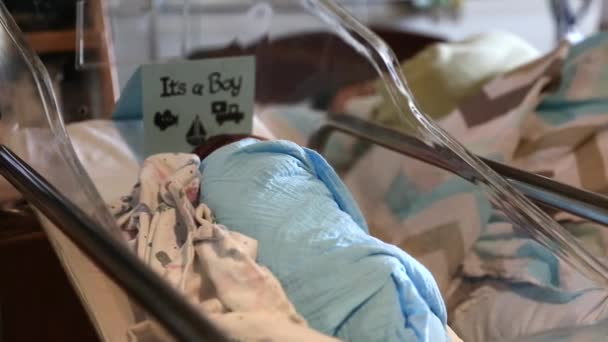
(290, 75)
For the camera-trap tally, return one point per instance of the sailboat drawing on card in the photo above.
(196, 133)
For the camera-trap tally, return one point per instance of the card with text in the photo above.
(187, 102)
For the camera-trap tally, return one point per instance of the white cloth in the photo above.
(213, 267)
(487, 314)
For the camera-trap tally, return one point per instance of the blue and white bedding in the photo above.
(501, 283)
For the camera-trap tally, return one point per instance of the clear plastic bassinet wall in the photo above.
(495, 256)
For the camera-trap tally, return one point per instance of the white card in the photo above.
(185, 103)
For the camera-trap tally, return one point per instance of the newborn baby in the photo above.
(313, 237)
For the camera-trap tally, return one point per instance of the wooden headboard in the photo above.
(313, 65)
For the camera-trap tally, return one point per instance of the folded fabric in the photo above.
(562, 138)
(498, 311)
(449, 71)
(453, 71)
(588, 333)
(566, 148)
(582, 90)
(402, 203)
(215, 268)
(522, 288)
(313, 238)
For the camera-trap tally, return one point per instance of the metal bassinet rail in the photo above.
(542, 190)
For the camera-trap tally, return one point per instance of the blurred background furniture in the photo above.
(51, 29)
(37, 301)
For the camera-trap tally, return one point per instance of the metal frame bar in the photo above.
(565, 17)
(542, 190)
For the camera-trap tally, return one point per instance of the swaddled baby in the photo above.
(313, 237)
